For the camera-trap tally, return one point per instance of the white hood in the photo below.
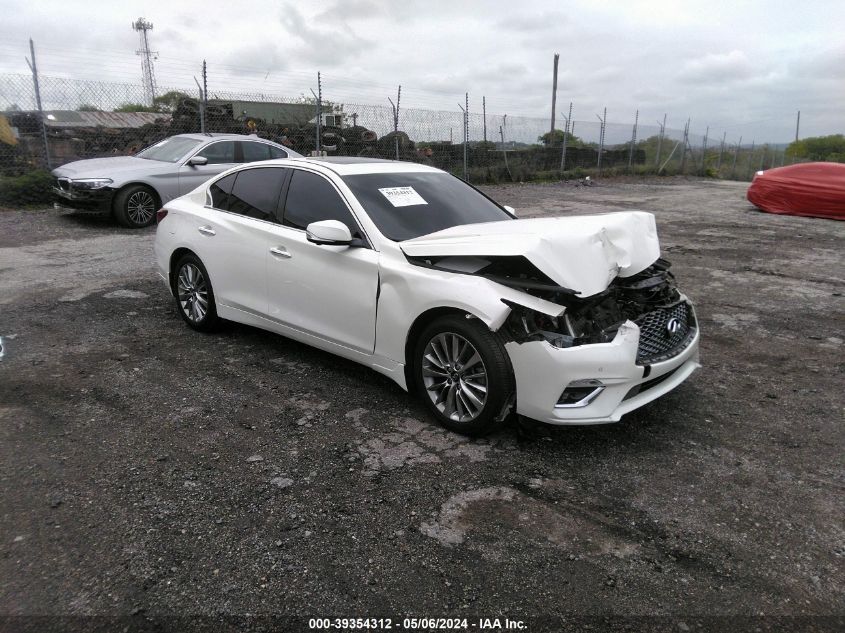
(584, 253)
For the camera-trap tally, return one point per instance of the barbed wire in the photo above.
(86, 118)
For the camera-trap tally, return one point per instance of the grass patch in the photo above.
(31, 189)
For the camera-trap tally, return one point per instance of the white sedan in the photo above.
(421, 277)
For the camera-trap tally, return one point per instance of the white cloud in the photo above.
(719, 67)
(744, 66)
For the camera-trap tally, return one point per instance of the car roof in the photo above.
(208, 136)
(351, 165)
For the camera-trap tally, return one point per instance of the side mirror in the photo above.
(198, 160)
(328, 233)
(510, 210)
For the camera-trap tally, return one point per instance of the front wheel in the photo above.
(463, 373)
(194, 294)
(135, 206)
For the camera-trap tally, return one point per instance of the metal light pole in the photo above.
(34, 68)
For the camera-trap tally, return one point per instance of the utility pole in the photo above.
(686, 143)
(633, 143)
(554, 101)
(797, 125)
(201, 102)
(484, 114)
(395, 107)
(319, 110)
(660, 139)
(34, 68)
(147, 57)
(601, 137)
(565, 135)
(203, 96)
(466, 132)
(204, 93)
(750, 158)
(736, 153)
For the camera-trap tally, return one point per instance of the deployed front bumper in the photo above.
(543, 371)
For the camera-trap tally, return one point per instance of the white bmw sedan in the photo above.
(417, 275)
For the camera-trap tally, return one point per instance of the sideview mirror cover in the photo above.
(198, 160)
(328, 233)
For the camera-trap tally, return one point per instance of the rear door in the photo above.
(235, 233)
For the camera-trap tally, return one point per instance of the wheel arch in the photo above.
(138, 183)
(175, 256)
(416, 330)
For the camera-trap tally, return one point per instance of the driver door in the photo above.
(326, 291)
(221, 155)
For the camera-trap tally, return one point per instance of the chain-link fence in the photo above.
(87, 119)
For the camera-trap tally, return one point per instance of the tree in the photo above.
(824, 148)
(550, 140)
(169, 101)
(87, 107)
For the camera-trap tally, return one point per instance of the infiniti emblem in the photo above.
(673, 326)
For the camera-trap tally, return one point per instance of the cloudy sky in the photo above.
(741, 67)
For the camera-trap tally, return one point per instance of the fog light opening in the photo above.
(579, 393)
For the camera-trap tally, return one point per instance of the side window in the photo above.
(254, 151)
(220, 190)
(220, 153)
(256, 193)
(277, 152)
(312, 198)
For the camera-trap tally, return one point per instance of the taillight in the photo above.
(160, 215)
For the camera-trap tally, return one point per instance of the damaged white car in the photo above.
(412, 272)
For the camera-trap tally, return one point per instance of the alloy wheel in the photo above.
(141, 207)
(193, 293)
(455, 377)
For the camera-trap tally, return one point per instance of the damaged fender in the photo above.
(406, 292)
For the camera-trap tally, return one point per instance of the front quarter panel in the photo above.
(408, 291)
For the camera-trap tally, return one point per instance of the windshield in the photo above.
(169, 150)
(407, 205)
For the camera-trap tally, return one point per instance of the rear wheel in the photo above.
(462, 371)
(194, 294)
(135, 206)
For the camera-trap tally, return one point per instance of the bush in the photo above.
(26, 191)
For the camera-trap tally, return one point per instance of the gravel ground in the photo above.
(148, 471)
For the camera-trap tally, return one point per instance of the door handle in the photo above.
(280, 251)
(206, 230)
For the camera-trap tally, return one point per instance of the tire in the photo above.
(135, 206)
(194, 295)
(463, 375)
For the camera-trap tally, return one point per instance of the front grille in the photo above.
(657, 341)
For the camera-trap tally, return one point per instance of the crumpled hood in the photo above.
(107, 167)
(584, 253)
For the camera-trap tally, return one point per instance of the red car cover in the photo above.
(814, 190)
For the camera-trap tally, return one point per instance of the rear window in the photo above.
(220, 190)
(260, 151)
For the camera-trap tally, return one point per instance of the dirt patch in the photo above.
(125, 443)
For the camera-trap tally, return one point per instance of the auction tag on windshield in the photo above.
(402, 196)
